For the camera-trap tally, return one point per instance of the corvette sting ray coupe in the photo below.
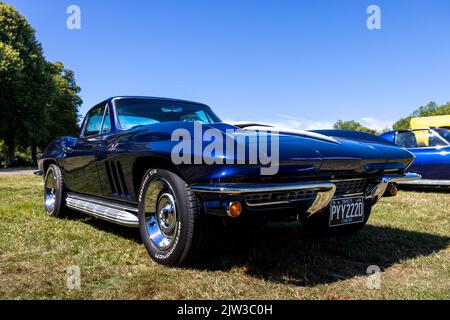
(121, 169)
(431, 148)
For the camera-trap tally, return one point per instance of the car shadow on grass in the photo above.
(106, 226)
(284, 253)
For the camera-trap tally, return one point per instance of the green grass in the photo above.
(408, 237)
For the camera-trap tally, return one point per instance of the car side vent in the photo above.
(110, 179)
(122, 180)
(116, 179)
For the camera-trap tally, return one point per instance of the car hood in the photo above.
(301, 153)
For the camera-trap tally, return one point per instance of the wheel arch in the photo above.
(143, 164)
(46, 163)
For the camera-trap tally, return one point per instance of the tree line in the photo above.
(431, 109)
(39, 99)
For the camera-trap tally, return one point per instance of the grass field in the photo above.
(408, 237)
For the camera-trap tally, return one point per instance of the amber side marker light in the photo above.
(394, 190)
(234, 209)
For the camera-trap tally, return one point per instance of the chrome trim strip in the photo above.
(351, 179)
(236, 189)
(106, 203)
(103, 211)
(406, 177)
(322, 200)
(273, 203)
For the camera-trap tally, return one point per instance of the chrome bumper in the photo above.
(325, 190)
(379, 190)
(242, 188)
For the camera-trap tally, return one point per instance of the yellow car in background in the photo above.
(428, 122)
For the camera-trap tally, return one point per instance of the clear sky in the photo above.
(303, 64)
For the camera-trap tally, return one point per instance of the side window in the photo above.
(406, 140)
(98, 121)
(94, 121)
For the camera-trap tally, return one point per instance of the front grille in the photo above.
(268, 198)
(349, 186)
(343, 187)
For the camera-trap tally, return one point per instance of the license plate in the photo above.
(346, 211)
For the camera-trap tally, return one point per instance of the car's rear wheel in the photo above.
(319, 223)
(172, 226)
(54, 192)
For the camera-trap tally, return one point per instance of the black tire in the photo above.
(318, 224)
(172, 214)
(54, 193)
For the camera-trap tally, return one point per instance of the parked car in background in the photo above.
(120, 169)
(431, 148)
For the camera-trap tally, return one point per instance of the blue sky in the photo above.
(303, 64)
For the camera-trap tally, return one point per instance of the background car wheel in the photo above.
(318, 224)
(54, 192)
(171, 223)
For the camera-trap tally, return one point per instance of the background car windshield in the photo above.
(136, 112)
(422, 138)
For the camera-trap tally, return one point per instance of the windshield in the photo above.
(137, 112)
(444, 133)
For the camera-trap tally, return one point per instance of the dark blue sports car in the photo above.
(431, 147)
(162, 165)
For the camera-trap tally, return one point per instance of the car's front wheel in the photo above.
(172, 226)
(54, 192)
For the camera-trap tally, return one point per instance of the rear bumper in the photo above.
(219, 194)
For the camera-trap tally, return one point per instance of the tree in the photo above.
(11, 82)
(62, 111)
(431, 109)
(25, 82)
(352, 125)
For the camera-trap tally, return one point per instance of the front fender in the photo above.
(56, 150)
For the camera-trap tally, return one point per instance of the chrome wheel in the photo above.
(50, 192)
(160, 214)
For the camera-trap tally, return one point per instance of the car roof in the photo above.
(154, 98)
(417, 129)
